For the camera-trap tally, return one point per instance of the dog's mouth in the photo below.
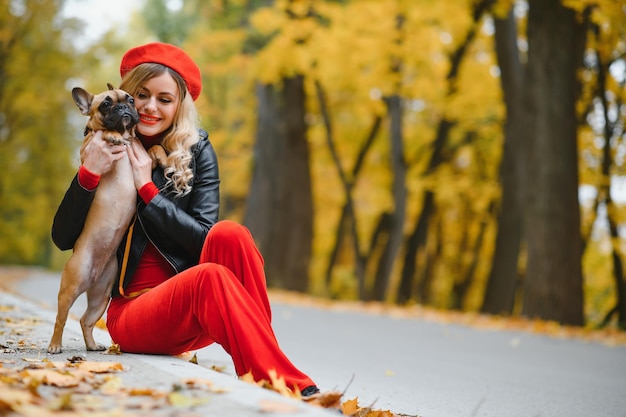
(127, 120)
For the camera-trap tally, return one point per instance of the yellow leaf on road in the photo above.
(99, 367)
(113, 385)
(51, 377)
(178, 399)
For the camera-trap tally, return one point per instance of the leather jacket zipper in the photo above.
(164, 255)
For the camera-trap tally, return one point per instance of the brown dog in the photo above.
(92, 268)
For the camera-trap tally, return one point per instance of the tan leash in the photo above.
(129, 237)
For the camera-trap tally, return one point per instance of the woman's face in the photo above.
(157, 102)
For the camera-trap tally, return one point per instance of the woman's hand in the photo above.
(99, 155)
(140, 162)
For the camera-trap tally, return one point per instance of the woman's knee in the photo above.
(225, 239)
(228, 233)
(228, 229)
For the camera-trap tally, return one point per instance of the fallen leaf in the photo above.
(114, 349)
(29, 410)
(180, 400)
(219, 369)
(278, 384)
(247, 377)
(197, 383)
(186, 356)
(51, 377)
(350, 407)
(111, 386)
(85, 404)
(144, 392)
(9, 397)
(99, 367)
(61, 403)
(330, 399)
(274, 406)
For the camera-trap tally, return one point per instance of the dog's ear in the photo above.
(110, 86)
(83, 99)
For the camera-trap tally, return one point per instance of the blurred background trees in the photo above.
(36, 62)
(466, 154)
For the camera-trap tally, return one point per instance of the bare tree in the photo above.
(503, 278)
(279, 210)
(553, 282)
(417, 240)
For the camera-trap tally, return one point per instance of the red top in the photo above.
(152, 270)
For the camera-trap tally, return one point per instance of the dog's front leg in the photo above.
(97, 301)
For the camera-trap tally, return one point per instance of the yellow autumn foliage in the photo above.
(360, 52)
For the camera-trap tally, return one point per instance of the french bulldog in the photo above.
(93, 266)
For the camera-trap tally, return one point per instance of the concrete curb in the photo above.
(229, 396)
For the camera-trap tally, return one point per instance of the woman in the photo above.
(187, 280)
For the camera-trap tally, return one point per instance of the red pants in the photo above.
(223, 299)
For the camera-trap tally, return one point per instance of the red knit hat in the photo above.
(169, 55)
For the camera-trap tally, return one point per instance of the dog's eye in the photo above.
(131, 101)
(105, 106)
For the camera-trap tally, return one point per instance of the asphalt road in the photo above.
(423, 368)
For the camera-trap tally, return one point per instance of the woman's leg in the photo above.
(231, 244)
(203, 304)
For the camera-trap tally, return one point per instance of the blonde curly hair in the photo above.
(183, 134)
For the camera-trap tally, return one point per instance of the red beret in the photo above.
(169, 55)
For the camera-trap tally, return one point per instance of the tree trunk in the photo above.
(503, 279)
(461, 287)
(417, 239)
(347, 224)
(416, 242)
(279, 209)
(428, 257)
(395, 237)
(553, 288)
(604, 195)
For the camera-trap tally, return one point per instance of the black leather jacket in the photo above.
(177, 226)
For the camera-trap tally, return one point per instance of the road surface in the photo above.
(424, 368)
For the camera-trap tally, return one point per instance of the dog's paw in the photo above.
(113, 137)
(54, 349)
(96, 348)
(158, 155)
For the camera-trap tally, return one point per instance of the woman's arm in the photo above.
(181, 227)
(98, 156)
(71, 214)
